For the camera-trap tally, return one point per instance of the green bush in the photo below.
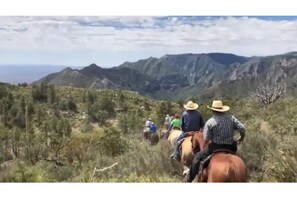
(64, 146)
(23, 172)
(112, 143)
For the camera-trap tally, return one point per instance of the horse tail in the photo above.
(231, 173)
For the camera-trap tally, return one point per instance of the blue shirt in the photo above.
(192, 121)
(153, 128)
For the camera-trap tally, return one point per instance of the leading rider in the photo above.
(219, 131)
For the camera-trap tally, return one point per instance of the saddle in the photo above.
(180, 142)
(190, 133)
(176, 128)
(204, 163)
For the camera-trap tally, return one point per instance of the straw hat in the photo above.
(217, 105)
(191, 106)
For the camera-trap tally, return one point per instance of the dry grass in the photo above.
(269, 150)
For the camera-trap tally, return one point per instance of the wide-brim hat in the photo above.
(217, 105)
(191, 105)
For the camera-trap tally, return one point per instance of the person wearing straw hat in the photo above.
(192, 121)
(219, 131)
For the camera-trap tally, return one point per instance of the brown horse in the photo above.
(187, 151)
(222, 167)
(146, 133)
(153, 138)
(163, 133)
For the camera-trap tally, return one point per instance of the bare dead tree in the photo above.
(269, 93)
(102, 170)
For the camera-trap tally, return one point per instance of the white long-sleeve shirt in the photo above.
(148, 123)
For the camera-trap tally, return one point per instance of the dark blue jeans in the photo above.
(196, 162)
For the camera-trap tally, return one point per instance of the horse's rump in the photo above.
(172, 138)
(146, 134)
(154, 138)
(223, 167)
(166, 125)
(163, 133)
(186, 146)
(187, 154)
(204, 163)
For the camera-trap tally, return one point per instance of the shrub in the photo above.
(112, 143)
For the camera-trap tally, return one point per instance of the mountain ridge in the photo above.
(182, 76)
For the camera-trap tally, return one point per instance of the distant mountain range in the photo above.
(26, 73)
(186, 75)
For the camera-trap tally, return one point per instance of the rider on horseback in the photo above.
(192, 120)
(148, 123)
(167, 121)
(175, 123)
(219, 131)
(153, 128)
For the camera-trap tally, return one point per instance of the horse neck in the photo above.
(198, 142)
(202, 142)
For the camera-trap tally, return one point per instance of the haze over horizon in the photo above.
(111, 41)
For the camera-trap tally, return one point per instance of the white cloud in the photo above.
(246, 36)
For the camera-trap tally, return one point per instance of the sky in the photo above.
(110, 41)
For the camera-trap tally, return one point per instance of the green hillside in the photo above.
(67, 134)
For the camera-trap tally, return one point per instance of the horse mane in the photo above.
(198, 143)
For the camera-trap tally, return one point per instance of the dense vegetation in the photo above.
(69, 134)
